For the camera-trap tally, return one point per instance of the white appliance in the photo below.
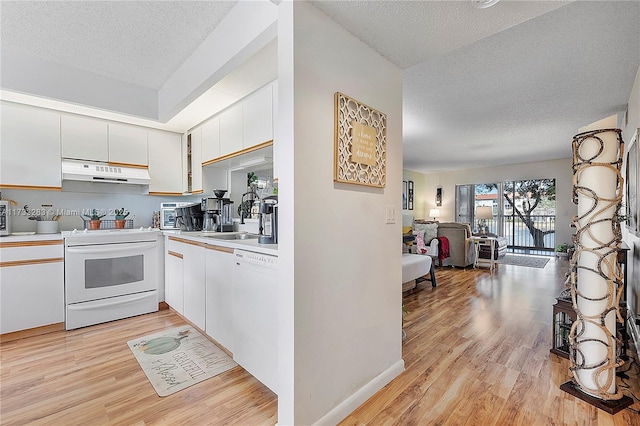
(168, 214)
(109, 275)
(5, 224)
(255, 315)
(92, 171)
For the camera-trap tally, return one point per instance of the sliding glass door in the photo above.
(530, 213)
(522, 211)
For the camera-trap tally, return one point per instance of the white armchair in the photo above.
(431, 248)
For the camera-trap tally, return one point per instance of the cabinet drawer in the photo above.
(30, 252)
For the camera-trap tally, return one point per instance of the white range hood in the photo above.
(90, 171)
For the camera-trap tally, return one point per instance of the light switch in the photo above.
(390, 214)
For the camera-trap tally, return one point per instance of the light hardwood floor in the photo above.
(477, 352)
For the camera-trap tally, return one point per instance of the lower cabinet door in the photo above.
(219, 273)
(194, 285)
(31, 296)
(173, 281)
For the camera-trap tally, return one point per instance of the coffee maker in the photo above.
(217, 212)
(268, 220)
(189, 218)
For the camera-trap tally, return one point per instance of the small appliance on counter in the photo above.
(189, 217)
(168, 214)
(217, 212)
(5, 224)
(269, 220)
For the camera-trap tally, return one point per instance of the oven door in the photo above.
(100, 271)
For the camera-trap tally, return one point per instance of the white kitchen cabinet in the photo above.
(219, 294)
(194, 284)
(165, 163)
(211, 139)
(30, 148)
(173, 275)
(257, 117)
(185, 279)
(84, 138)
(31, 284)
(128, 144)
(194, 161)
(231, 130)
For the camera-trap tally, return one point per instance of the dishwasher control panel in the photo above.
(258, 259)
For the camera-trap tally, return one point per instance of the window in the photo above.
(523, 211)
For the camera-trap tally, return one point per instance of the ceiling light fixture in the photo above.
(252, 162)
(255, 161)
(483, 4)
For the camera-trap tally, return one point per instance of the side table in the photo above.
(492, 243)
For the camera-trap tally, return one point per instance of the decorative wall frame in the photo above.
(439, 196)
(410, 196)
(360, 143)
(405, 195)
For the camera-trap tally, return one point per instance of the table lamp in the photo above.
(434, 213)
(482, 214)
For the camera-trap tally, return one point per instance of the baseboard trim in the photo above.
(30, 332)
(346, 407)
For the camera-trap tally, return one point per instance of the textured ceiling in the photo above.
(138, 42)
(507, 84)
(410, 32)
(503, 85)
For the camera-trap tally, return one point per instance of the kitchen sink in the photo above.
(230, 235)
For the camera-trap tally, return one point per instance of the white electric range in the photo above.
(110, 274)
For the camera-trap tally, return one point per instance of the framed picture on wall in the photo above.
(360, 151)
(632, 207)
(439, 196)
(410, 195)
(404, 195)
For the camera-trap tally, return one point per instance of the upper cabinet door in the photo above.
(194, 162)
(231, 130)
(165, 163)
(30, 148)
(128, 144)
(257, 117)
(84, 138)
(211, 139)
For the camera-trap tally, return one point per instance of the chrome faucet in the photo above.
(252, 199)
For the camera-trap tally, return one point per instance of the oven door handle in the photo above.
(87, 306)
(110, 248)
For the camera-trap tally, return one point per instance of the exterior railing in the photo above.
(519, 235)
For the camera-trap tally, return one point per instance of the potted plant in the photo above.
(562, 250)
(120, 218)
(94, 219)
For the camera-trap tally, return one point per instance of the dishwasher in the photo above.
(255, 315)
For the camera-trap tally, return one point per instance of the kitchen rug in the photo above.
(519, 260)
(178, 358)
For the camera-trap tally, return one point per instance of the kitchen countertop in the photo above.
(248, 244)
(30, 237)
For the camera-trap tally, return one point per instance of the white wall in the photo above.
(557, 169)
(340, 313)
(140, 206)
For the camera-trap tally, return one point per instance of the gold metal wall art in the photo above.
(360, 143)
